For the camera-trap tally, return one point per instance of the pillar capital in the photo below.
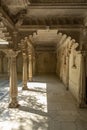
(23, 46)
(10, 53)
(24, 55)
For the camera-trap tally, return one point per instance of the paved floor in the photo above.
(47, 106)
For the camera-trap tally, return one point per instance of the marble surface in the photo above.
(45, 106)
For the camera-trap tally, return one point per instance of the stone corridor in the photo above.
(45, 106)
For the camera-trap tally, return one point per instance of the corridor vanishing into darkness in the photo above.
(45, 106)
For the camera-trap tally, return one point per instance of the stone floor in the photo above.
(46, 106)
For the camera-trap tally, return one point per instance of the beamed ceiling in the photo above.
(25, 13)
(28, 16)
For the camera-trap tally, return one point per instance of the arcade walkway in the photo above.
(46, 106)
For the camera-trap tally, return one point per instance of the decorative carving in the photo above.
(29, 45)
(5, 21)
(23, 46)
(50, 20)
(10, 53)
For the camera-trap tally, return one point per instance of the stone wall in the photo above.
(45, 62)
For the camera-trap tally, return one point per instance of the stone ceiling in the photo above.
(23, 12)
(38, 15)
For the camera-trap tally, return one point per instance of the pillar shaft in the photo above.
(30, 69)
(13, 77)
(24, 71)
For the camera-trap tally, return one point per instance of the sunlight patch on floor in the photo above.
(16, 119)
(37, 86)
(32, 113)
(8, 125)
(36, 96)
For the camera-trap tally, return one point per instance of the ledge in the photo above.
(59, 5)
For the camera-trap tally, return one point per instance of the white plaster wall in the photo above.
(74, 76)
(61, 68)
(74, 73)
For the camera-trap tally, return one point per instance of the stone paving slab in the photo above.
(54, 108)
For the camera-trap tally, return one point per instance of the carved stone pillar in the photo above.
(13, 78)
(30, 68)
(25, 71)
(82, 83)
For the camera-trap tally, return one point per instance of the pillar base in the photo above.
(30, 79)
(25, 88)
(13, 103)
